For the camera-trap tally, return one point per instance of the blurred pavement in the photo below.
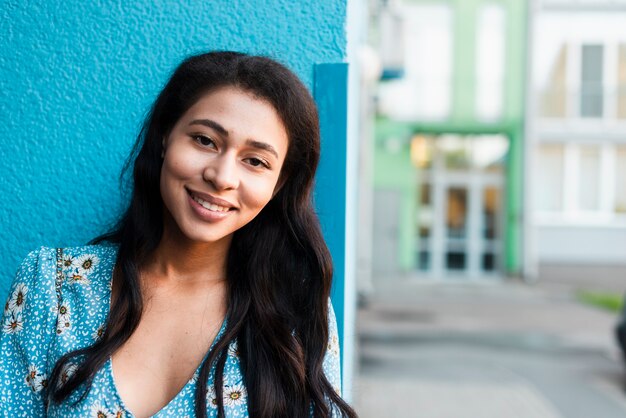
(487, 349)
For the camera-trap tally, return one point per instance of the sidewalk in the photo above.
(485, 350)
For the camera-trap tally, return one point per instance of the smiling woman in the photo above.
(221, 164)
(211, 296)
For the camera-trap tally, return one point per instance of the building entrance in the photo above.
(460, 200)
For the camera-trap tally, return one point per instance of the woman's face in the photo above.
(222, 163)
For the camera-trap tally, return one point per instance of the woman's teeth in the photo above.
(210, 206)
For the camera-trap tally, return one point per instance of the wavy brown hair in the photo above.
(279, 269)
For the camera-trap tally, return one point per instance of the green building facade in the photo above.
(448, 138)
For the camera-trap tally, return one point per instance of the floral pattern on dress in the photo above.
(78, 268)
(35, 379)
(333, 345)
(68, 371)
(98, 333)
(13, 320)
(86, 263)
(64, 320)
(235, 395)
(233, 350)
(13, 323)
(17, 299)
(211, 397)
(99, 411)
(37, 329)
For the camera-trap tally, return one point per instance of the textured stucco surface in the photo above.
(77, 78)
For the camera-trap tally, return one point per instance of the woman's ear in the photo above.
(163, 142)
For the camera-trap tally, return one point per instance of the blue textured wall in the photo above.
(77, 78)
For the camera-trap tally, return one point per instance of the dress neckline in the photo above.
(108, 366)
(187, 387)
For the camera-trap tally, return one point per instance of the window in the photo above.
(585, 181)
(549, 177)
(589, 178)
(620, 180)
(621, 81)
(490, 60)
(591, 83)
(585, 81)
(554, 97)
(425, 92)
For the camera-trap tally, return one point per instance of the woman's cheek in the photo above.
(260, 191)
(185, 164)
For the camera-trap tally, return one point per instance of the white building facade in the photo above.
(576, 134)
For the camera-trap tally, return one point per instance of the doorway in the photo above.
(459, 213)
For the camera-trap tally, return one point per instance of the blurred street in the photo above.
(496, 149)
(487, 349)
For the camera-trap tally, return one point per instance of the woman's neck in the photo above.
(180, 260)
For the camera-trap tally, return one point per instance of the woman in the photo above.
(211, 297)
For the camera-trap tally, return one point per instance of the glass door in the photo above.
(456, 222)
(459, 215)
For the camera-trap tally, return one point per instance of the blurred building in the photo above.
(576, 136)
(448, 168)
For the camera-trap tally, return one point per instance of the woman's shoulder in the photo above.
(45, 256)
(105, 252)
(87, 267)
(35, 273)
(77, 263)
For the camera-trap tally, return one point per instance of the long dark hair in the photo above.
(279, 269)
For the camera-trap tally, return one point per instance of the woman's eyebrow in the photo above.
(262, 145)
(210, 124)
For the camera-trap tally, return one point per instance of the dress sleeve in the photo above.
(27, 330)
(331, 365)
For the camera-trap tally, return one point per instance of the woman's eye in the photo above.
(204, 140)
(256, 162)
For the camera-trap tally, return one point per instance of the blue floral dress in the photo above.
(37, 330)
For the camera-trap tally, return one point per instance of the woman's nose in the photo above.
(221, 172)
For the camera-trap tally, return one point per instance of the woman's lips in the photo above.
(209, 210)
(210, 202)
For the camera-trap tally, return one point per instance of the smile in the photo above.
(210, 206)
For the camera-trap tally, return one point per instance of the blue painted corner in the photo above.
(331, 95)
